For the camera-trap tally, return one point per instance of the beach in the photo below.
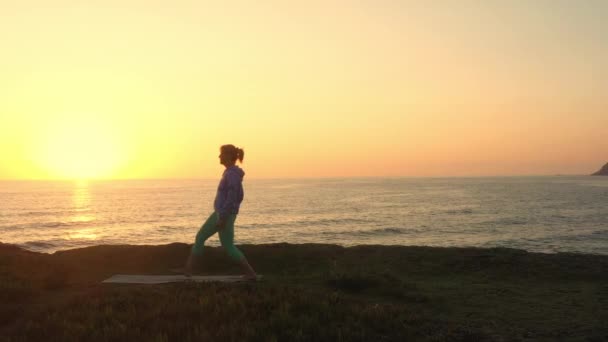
(309, 292)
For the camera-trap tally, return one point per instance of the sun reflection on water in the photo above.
(81, 202)
(85, 234)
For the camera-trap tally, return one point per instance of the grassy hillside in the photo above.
(309, 292)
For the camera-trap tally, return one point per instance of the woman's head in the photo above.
(230, 153)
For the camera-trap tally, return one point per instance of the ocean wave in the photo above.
(38, 245)
(31, 213)
(600, 233)
(308, 223)
(38, 213)
(459, 211)
(54, 213)
(594, 236)
(49, 246)
(67, 224)
(591, 243)
(389, 230)
(52, 224)
(171, 228)
(506, 221)
(386, 231)
(331, 222)
(56, 224)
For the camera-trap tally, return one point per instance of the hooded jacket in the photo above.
(229, 192)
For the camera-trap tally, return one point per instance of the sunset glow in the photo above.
(79, 149)
(137, 89)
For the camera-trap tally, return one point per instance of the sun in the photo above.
(80, 149)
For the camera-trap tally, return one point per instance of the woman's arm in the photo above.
(227, 207)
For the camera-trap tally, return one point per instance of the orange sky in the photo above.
(151, 89)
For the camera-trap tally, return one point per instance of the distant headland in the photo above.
(602, 172)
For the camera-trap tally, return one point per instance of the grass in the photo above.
(310, 293)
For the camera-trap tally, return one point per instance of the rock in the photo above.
(602, 172)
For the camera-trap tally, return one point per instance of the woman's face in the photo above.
(225, 159)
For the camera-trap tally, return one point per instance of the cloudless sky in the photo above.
(151, 89)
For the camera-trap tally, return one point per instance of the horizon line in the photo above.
(283, 178)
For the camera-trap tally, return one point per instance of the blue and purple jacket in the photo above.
(229, 192)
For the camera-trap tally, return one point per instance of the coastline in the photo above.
(315, 291)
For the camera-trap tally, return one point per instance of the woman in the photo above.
(227, 202)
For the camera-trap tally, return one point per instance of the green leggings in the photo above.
(226, 236)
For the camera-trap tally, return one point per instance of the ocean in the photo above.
(547, 214)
